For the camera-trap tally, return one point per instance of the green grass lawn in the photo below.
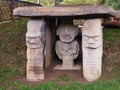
(13, 62)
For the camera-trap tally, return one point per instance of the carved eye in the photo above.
(32, 40)
(96, 38)
(27, 39)
(85, 38)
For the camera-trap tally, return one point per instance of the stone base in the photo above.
(60, 67)
(34, 77)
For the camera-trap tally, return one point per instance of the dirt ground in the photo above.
(54, 75)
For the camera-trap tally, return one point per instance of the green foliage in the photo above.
(43, 2)
(80, 2)
(58, 1)
(113, 3)
(47, 2)
(33, 1)
(51, 2)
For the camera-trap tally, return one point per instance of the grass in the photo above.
(64, 78)
(100, 85)
(12, 45)
(13, 62)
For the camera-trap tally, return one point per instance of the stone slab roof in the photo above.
(87, 11)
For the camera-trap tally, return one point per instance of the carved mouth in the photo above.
(31, 42)
(91, 47)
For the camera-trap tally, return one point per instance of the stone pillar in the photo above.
(92, 47)
(35, 41)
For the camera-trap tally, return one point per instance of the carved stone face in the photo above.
(92, 42)
(92, 34)
(33, 42)
(67, 33)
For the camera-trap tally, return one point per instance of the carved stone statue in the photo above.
(67, 33)
(92, 45)
(67, 48)
(35, 41)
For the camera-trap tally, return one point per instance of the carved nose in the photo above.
(66, 32)
(32, 41)
(91, 41)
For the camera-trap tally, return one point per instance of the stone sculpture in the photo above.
(35, 41)
(92, 45)
(67, 48)
(91, 32)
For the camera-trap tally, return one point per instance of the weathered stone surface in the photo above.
(67, 52)
(92, 45)
(67, 33)
(35, 41)
(77, 10)
(67, 48)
